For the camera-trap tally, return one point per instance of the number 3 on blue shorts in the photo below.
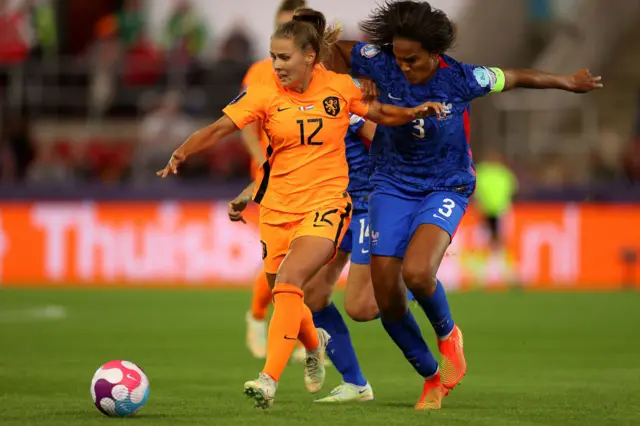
(443, 209)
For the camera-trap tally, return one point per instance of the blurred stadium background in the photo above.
(94, 97)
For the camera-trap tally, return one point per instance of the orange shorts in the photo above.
(279, 229)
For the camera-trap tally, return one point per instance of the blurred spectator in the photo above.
(184, 40)
(122, 48)
(18, 151)
(128, 24)
(14, 45)
(43, 26)
(185, 31)
(236, 56)
(161, 132)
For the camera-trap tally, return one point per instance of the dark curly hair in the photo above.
(413, 20)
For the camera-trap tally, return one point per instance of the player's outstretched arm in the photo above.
(198, 141)
(391, 115)
(579, 82)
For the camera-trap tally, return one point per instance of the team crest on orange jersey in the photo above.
(331, 106)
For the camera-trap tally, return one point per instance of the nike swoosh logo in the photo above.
(363, 390)
(441, 218)
(365, 251)
(394, 98)
(290, 338)
(283, 109)
(130, 377)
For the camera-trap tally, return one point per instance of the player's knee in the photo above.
(420, 278)
(361, 311)
(292, 275)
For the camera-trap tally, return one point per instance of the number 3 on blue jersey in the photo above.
(447, 207)
(419, 126)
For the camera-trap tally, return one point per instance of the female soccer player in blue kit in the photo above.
(423, 172)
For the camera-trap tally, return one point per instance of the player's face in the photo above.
(289, 62)
(417, 64)
(283, 18)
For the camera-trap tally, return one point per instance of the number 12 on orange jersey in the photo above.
(311, 124)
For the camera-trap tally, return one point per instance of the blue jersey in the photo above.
(428, 154)
(359, 165)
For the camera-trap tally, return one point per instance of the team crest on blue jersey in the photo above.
(369, 50)
(237, 98)
(484, 77)
(331, 106)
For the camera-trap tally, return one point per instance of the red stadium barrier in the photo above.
(194, 245)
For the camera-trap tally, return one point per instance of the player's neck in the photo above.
(305, 83)
(431, 75)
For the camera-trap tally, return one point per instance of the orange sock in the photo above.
(261, 298)
(283, 328)
(308, 335)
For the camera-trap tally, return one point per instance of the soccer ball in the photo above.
(119, 389)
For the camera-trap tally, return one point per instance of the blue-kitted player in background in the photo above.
(423, 172)
(359, 301)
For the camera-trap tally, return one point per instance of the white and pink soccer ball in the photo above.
(119, 389)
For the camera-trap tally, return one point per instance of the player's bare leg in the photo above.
(291, 320)
(426, 249)
(390, 293)
(359, 298)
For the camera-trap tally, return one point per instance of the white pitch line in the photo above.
(41, 313)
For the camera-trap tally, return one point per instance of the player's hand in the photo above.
(236, 207)
(582, 82)
(430, 108)
(176, 159)
(369, 90)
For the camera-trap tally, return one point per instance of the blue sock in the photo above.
(437, 309)
(407, 336)
(340, 349)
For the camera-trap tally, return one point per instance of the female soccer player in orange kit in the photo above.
(256, 141)
(301, 187)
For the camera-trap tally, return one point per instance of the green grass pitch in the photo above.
(534, 359)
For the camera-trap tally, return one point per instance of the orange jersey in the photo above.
(261, 74)
(306, 164)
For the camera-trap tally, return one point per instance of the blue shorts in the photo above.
(395, 219)
(356, 239)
